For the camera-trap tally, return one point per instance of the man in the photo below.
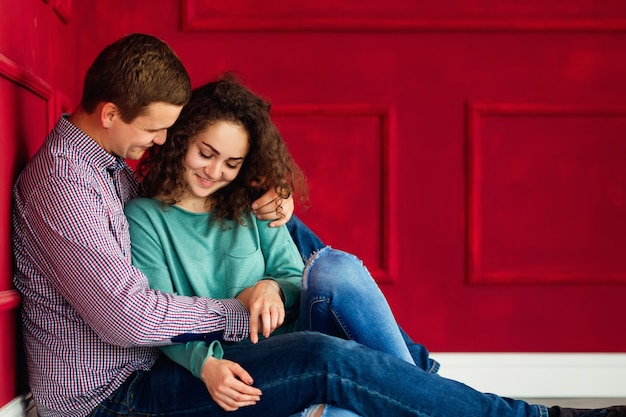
(91, 324)
(89, 318)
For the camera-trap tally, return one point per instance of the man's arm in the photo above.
(73, 242)
(270, 206)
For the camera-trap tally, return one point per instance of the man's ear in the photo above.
(108, 113)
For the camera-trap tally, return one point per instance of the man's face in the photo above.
(130, 140)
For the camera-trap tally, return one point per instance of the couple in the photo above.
(92, 324)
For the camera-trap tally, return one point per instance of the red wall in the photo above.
(471, 153)
(37, 77)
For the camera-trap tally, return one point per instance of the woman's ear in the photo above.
(108, 113)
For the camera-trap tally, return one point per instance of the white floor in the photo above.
(577, 402)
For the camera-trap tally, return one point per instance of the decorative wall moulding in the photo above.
(380, 136)
(63, 9)
(395, 15)
(546, 194)
(25, 78)
(28, 80)
(9, 300)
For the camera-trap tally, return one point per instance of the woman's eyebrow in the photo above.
(212, 148)
(218, 153)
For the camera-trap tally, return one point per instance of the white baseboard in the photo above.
(539, 375)
(21, 406)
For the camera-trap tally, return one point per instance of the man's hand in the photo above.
(270, 206)
(266, 307)
(229, 384)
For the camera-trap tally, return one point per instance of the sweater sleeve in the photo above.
(192, 355)
(282, 263)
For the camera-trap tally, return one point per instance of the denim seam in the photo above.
(333, 312)
(310, 263)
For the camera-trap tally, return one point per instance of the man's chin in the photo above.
(135, 155)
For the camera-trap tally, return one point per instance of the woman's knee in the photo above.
(330, 268)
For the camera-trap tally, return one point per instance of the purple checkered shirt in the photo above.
(89, 318)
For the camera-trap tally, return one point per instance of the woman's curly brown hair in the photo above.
(268, 163)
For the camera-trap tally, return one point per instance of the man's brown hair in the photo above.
(134, 72)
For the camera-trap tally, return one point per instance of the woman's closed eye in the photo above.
(206, 156)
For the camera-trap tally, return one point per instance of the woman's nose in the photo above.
(213, 171)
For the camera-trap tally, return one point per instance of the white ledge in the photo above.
(539, 375)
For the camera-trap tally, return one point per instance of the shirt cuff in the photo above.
(237, 320)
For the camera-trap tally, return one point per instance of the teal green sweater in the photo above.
(183, 253)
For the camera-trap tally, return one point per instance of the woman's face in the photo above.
(213, 160)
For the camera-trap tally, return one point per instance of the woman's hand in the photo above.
(270, 206)
(266, 307)
(229, 384)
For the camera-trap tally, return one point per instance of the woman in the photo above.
(193, 234)
(219, 157)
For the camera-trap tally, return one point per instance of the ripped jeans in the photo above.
(330, 273)
(334, 284)
(340, 298)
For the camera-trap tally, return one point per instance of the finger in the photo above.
(264, 201)
(287, 209)
(267, 208)
(280, 316)
(279, 222)
(254, 327)
(231, 400)
(242, 376)
(275, 313)
(267, 323)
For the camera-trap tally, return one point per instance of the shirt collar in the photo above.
(86, 145)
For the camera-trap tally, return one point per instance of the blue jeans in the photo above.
(298, 369)
(331, 272)
(340, 298)
(303, 368)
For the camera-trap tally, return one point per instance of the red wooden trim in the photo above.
(475, 111)
(192, 21)
(544, 109)
(387, 249)
(23, 77)
(63, 9)
(9, 300)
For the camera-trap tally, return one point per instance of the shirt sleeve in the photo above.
(283, 263)
(76, 240)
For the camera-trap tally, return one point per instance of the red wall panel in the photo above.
(547, 194)
(441, 256)
(338, 180)
(22, 94)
